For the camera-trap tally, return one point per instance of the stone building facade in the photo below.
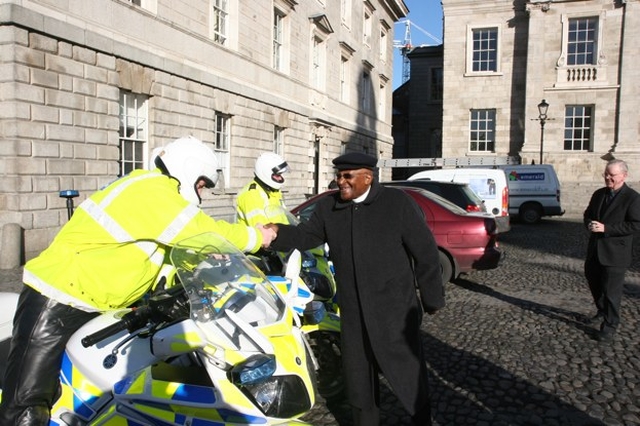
(90, 87)
(503, 57)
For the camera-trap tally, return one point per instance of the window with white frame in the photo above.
(344, 78)
(368, 25)
(482, 126)
(278, 140)
(220, 21)
(582, 40)
(149, 5)
(222, 142)
(382, 100)
(281, 35)
(345, 12)
(365, 92)
(577, 127)
(582, 60)
(384, 31)
(133, 132)
(318, 63)
(278, 38)
(484, 52)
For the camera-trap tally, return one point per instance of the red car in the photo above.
(466, 241)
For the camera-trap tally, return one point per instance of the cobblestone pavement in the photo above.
(511, 346)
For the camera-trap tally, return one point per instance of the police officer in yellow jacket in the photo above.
(107, 256)
(263, 191)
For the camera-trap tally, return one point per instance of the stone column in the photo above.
(629, 119)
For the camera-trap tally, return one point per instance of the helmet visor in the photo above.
(280, 169)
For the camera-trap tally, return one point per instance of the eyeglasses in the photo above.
(347, 176)
(609, 175)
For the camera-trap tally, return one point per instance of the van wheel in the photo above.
(530, 213)
(446, 267)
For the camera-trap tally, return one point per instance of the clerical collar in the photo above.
(362, 197)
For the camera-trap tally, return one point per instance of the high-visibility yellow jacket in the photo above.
(112, 249)
(253, 202)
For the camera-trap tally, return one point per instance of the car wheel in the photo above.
(530, 213)
(446, 267)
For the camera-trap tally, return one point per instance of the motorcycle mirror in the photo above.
(294, 264)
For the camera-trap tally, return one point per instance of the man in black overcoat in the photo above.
(612, 217)
(381, 248)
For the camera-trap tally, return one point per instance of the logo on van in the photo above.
(514, 176)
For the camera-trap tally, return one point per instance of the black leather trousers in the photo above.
(41, 330)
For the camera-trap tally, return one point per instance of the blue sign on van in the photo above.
(525, 176)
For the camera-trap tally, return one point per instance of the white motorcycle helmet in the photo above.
(189, 160)
(269, 169)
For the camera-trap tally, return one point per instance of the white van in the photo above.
(489, 184)
(534, 191)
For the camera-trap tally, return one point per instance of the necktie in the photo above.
(607, 200)
(609, 197)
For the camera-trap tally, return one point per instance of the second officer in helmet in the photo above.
(263, 192)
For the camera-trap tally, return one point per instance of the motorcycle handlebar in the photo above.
(131, 321)
(100, 335)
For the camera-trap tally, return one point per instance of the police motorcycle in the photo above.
(312, 295)
(219, 348)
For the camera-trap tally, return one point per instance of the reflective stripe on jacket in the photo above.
(252, 204)
(110, 252)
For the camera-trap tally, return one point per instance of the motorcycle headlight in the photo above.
(309, 262)
(280, 396)
(256, 368)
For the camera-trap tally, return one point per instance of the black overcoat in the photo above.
(621, 220)
(372, 245)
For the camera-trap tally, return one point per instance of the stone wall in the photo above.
(64, 65)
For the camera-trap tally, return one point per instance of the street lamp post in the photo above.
(543, 107)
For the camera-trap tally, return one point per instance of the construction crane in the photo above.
(405, 46)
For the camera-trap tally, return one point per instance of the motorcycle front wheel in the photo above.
(326, 349)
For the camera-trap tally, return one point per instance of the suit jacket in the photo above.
(621, 220)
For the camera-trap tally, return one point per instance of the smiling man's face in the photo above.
(614, 176)
(353, 183)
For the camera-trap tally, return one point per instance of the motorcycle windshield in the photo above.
(278, 214)
(229, 296)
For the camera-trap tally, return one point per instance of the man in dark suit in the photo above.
(612, 217)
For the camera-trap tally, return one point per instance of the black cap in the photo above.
(355, 160)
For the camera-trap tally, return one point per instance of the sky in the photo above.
(423, 15)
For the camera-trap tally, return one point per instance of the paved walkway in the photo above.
(511, 347)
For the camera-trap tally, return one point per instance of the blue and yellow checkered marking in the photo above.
(83, 395)
(166, 390)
